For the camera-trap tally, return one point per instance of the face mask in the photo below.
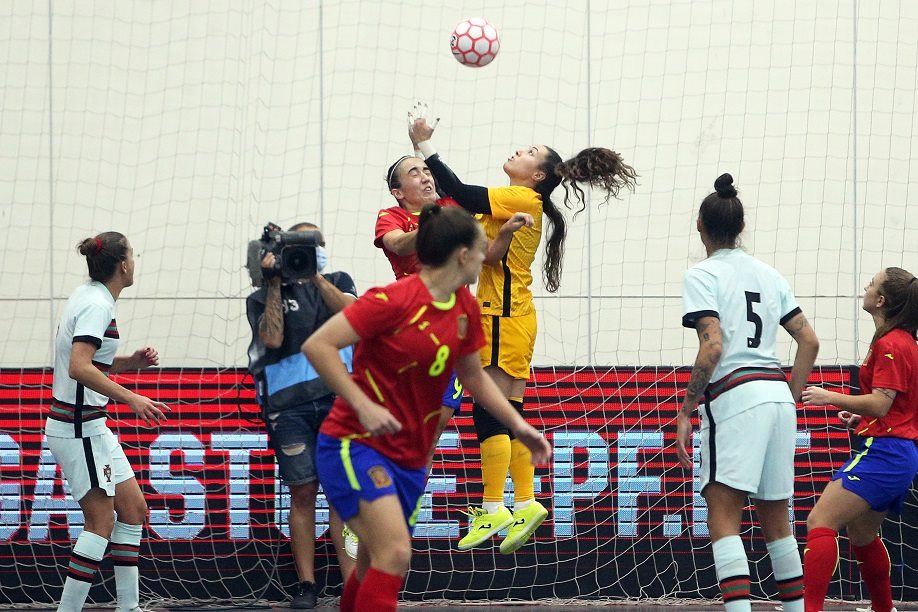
(321, 258)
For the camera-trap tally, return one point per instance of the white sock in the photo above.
(519, 505)
(785, 562)
(732, 573)
(125, 553)
(84, 565)
(490, 507)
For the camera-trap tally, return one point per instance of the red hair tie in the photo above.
(98, 246)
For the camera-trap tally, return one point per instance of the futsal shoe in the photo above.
(871, 609)
(350, 543)
(483, 525)
(305, 598)
(525, 522)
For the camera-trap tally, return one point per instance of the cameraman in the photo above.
(293, 398)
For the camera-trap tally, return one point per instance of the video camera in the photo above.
(294, 254)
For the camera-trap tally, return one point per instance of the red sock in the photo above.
(378, 592)
(873, 563)
(348, 601)
(820, 558)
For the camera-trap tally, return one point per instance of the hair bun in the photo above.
(724, 186)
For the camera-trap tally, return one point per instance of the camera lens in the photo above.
(297, 260)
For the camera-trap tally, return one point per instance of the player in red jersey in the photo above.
(877, 479)
(412, 185)
(372, 448)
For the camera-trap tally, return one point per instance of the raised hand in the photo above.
(144, 358)
(418, 128)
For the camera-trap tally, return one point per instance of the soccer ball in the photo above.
(474, 42)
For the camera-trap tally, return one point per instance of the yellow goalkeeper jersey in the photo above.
(503, 290)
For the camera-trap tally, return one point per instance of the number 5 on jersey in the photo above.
(756, 339)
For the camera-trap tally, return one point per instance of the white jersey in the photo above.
(751, 300)
(89, 316)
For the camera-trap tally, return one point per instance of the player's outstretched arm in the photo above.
(807, 349)
(84, 372)
(874, 404)
(486, 392)
(473, 198)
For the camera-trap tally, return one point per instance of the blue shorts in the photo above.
(452, 397)
(881, 472)
(350, 471)
(292, 433)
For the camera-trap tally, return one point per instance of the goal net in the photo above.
(188, 126)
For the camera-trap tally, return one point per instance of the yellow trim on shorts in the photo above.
(413, 519)
(348, 465)
(867, 444)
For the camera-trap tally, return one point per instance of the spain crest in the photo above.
(380, 477)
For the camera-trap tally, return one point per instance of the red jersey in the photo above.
(404, 360)
(397, 218)
(892, 363)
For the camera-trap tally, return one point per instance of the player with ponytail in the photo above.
(91, 458)
(885, 418)
(373, 448)
(508, 311)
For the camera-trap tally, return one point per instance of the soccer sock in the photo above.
(522, 472)
(125, 553)
(820, 558)
(873, 563)
(379, 591)
(785, 562)
(84, 564)
(732, 573)
(495, 459)
(349, 596)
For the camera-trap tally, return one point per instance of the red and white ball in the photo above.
(474, 42)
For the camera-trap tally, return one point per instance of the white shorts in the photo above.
(752, 451)
(97, 462)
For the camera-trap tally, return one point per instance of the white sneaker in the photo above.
(870, 609)
(350, 543)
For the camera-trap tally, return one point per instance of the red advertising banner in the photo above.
(625, 520)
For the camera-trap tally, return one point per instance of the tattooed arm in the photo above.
(710, 348)
(807, 349)
(271, 324)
